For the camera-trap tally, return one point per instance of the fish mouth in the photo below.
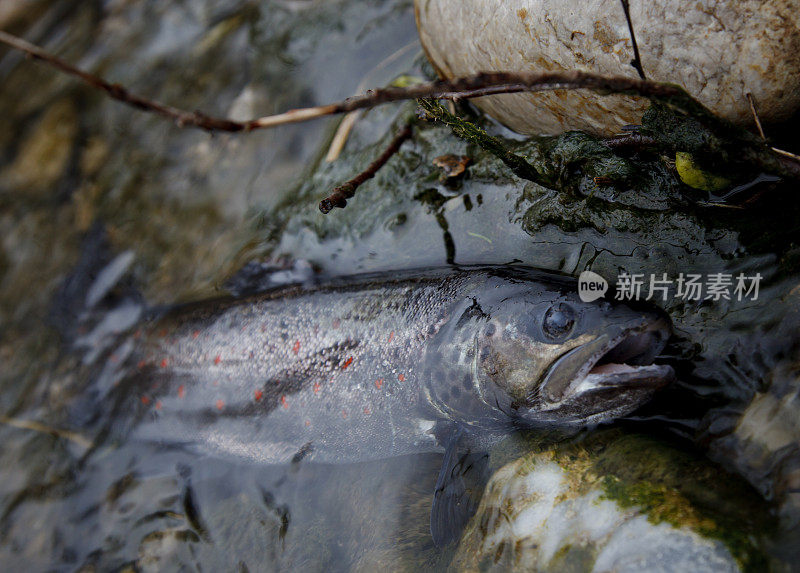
(623, 362)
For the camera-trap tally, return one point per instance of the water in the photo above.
(194, 208)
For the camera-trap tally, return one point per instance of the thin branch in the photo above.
(44, 429)
(786, 153)
(478, 85)
(636, 140)
(118, 92)
(340, 195)
(752, 103)
(482, 84)
(341, 135)
(346, 125)
(637, 60)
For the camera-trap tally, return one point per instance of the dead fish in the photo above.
(383, 365)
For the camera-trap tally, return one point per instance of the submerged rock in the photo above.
(718, 51)
(45, 152)
(613, 502)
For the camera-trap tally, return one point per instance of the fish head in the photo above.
(541, 355)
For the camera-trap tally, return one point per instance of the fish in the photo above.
(382, 365)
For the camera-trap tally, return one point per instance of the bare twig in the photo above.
(346, 125)
(340, 195)
(637, 60)
(786, 153)
(482, 84)
(118, 92)
(42, 428)
(478, 85)
(630, 140)
(341, 135)
(752, 103)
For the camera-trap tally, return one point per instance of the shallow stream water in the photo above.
(84, 179)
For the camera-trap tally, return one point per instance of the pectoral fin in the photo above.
(458, 488)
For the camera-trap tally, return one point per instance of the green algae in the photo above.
(679, 488)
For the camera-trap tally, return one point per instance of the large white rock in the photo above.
(719, 50)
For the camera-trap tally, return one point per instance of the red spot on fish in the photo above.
(391, 336)
(114, 358)
(141, 364)
(217, 359)
(366, 411)
(145, 400)
(164, 363)
(195, 334)
(259, 395)
(284, 402)
(316, 387)
(220, 404)
(215, 383)
(138, 334)
(347, 363)
(180, 391)
(401, 377)
(336, 323)
(296, 347)
(344, 414)
(162, 333)
(308, 423)
(379, 383)
(158, 404)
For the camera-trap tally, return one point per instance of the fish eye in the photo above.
(558, 321)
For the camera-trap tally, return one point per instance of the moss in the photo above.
(474, 134)
(667, 484)
(588, 174)
(727, 149)
(681, 489)
(659, 502)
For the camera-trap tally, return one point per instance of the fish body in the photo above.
(374, 366)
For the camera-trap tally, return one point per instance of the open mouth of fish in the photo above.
(624, 361)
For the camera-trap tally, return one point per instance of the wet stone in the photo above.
(685, 44)
(600, 504)
(44, 153)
